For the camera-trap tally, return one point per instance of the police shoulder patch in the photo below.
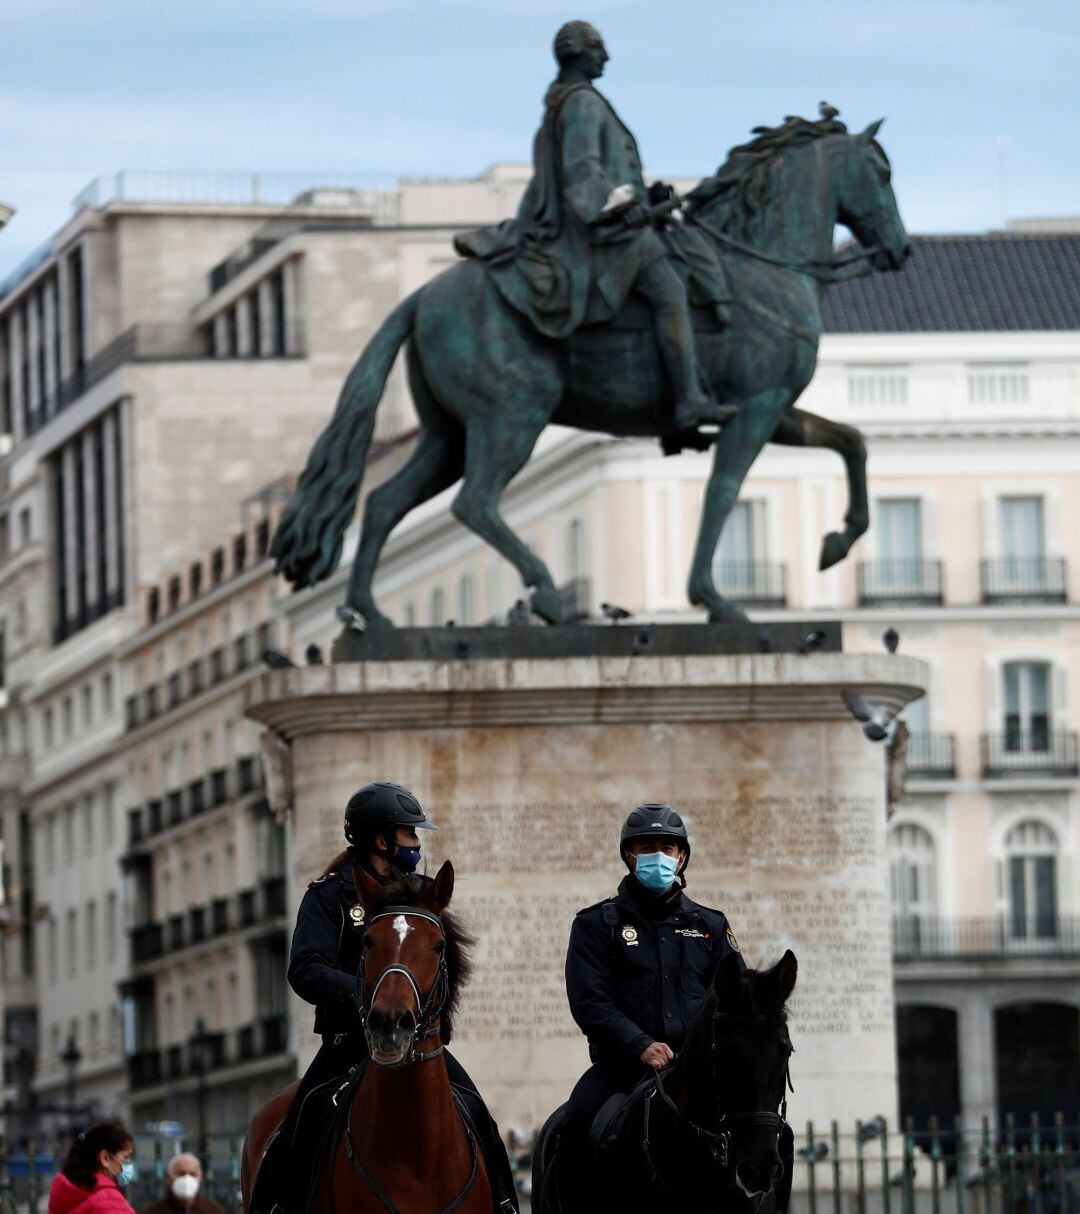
(731, 939)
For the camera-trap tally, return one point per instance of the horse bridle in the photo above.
(429, 1008)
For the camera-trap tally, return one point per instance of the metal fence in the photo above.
(935, 1168)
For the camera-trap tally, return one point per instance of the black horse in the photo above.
(702, 1136)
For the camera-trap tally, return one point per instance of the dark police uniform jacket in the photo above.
(638, 967)
(325, 956)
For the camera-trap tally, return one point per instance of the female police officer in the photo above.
(381, 824)
(637, 968)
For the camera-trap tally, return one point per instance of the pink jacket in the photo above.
(105, 1198)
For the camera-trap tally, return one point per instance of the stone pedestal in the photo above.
(529, 766)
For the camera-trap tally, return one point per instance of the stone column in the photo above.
(72, 531)
(113, 523)
(89, 516)
(529, 766)
(978, 1072)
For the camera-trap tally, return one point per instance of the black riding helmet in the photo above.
(380, 806)
(650, 820)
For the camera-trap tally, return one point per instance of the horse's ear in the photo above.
(368, 890)
(871, 131)
(444, 887)
(784, 974)
(727, 981)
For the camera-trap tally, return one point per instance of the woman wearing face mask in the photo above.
(637, 968)
(381, 824)
(97, 1167)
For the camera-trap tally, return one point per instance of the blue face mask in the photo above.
(655, 870)
(406, 858)
(126, 1174)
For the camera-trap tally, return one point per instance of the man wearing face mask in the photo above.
(637, 968)
(183, 1176)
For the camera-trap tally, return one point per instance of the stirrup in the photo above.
(506, 1206)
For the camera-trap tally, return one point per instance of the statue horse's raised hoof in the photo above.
(834, 547)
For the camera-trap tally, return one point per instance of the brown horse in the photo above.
(405, 1149)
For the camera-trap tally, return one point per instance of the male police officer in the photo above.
(637, 968)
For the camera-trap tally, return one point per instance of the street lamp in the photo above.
(70, 1059)
(199, 1046)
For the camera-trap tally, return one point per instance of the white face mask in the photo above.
(185, 1187)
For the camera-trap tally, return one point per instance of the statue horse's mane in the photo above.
(741, 191)
(414, 890)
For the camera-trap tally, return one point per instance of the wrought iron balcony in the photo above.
(1038, 752)
(1028, 579)
(197, 924)
(991, 938)
(147, 943)
(909, 581)
(752, 583)
(219, 916)
(144, 1068)
(174, 803)
(931, 756)
(219, 786)
(575, 599)
(176, 936)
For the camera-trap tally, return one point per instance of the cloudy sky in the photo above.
(981, 96)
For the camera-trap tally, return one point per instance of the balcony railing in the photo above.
(174, 802)
(1029, 579)
(219, 786)
(197, 924)
(175, 935)
(931, 756)
(218, 665)
(147, 943)
(196, 796)
(144, 1068)
(911, 581)
(196, 677)
(245, 907)
(1032, 753)
(245, 774)
(575, 599)
(175, 689)
(219, 916)
(992, 938)
(273, 889)
(753, 583)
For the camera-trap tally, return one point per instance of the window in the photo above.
(107, 694)
(409, 614)
(465, 611)
(87, 704)
(1022, 539)
(91, 935)
(108, 814)
(69, 832)
(1007, 385)
(88, 824)
(71, 942)
(48, 730)
(111, 926)
(53, 948)
(93, 1034)
(50, 843)
(67, 716)
(740, 548)
(24, 527)
(1026, 700)
(899, 531)
(574, 549)
(1031, 875)
(255, 316)
(912, 877)
(437, 609)
(879, 386)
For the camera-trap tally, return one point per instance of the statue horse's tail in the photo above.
(308, 540)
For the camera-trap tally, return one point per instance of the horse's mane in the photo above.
(414, 890)
(741, 191)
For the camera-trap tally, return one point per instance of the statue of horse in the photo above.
(485, 384)
(701, 1136)
(402, 1144)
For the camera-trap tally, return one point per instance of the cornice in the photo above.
(359, 696)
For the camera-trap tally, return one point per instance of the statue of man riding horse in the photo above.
(605, 306)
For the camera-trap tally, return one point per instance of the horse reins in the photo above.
(429, 1010)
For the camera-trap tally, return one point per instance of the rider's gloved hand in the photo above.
(636, 215)
(657, 1055)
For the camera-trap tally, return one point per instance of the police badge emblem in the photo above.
(629, 934)
(731, 940)
(357, 915)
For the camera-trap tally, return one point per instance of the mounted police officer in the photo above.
(637, 969)
(381, 824)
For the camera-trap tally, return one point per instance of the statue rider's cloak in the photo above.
(553, 262)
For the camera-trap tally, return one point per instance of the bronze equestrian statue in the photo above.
(567, 314)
